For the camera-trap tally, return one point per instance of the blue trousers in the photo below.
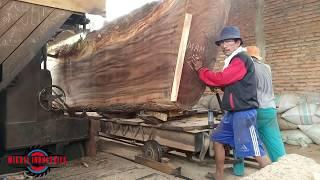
(238, 129)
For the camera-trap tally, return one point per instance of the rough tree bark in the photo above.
(140, 61)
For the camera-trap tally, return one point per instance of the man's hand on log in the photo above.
(196, 64)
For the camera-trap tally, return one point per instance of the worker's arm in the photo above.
(233, 73)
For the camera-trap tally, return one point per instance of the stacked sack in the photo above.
(299, 118)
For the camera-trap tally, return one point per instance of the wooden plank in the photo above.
(150, 119)
(187, 124)
(175, 115)
(20, 31)
(27, 50)
(181, 55)
(159, 115)
(167, 168)
(94, 7)
(3, 2)
(91, 143)
(10, 13)
(135, 121)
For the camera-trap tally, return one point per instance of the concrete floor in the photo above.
(189, 168)
(105, 166)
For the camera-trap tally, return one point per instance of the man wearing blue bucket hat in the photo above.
(238, 81)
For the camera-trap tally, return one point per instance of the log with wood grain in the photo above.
(141, 61)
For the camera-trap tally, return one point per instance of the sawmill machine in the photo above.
(29, 116)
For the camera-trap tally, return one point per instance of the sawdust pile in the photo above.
(291, 167)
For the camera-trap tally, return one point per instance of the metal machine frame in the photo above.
(161, 138)
(24, 123)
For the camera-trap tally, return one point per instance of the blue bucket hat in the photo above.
(229, 32)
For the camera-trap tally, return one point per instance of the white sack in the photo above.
(303, 114)
(312, 131)
(295, 137)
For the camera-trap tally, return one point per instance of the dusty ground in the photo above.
(312, 151)
(108, 166)
(105, 166)
(195, 170)
(190, 168)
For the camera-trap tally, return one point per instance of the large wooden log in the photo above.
(141, 60)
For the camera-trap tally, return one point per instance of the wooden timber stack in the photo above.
(141, 61)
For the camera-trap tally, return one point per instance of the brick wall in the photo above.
(243, 15)
(288, 32)
(292, 36)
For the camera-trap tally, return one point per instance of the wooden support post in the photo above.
(91, 143)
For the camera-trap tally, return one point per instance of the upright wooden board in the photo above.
(181, 56)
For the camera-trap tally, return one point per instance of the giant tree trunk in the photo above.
(141, 60)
